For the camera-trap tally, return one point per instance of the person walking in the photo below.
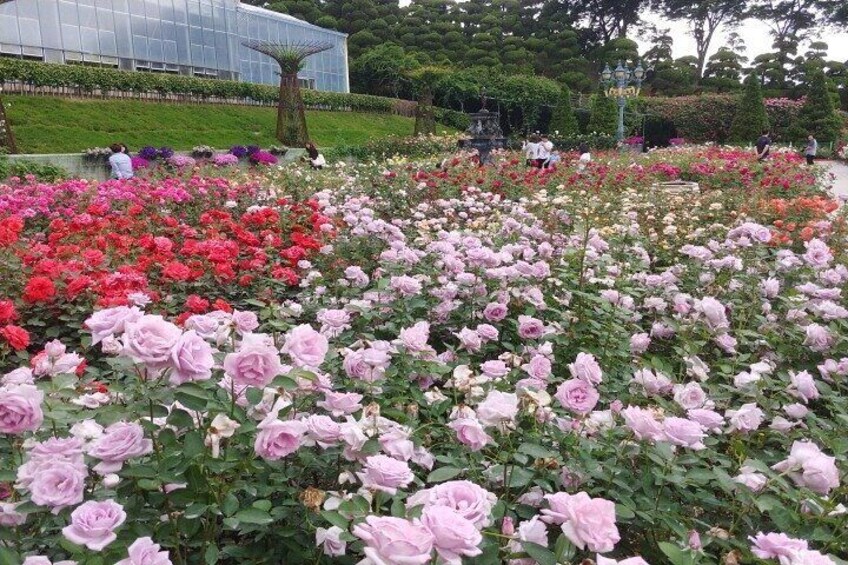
(811, 149)
(763, 146)
(120, 162)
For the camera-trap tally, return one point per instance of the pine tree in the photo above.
(563, 120)
(751, 118)
(817, 115)
(604, 118)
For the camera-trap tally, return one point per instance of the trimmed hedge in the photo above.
(89, 79)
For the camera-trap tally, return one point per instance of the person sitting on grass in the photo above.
(120, 162)
(316, 159)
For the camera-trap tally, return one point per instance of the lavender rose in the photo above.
(468, 499)
(277, 439)
(591, 523)
(586, 369)
(144, 552)
(149, 340)
(305, 346)
(120, 441)
(395, 540)
(385, 474)
(191, 359)
(454, 536)
(111, 321)
(254, 364)
(469, 432)
(93, 524)
(57, 485)
(498, 408)
(20, 409)
(578, 396)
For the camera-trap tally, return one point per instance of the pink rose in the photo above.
(807, 557)
(395, 541)
(809, 467)
(749, 477)
(727, 343)
(558, 504)
(683, 432)
(469, 432)
(331, 540)
(66, 449)
(340, 403)
(385, 474)
(149, 340)
(23, 376)
(277, 439)
(538, 368)
(639, 343)
(494, 369)
(774, 545)
(796, 411)
(120, 441)
(709, 419)
(92, 524)
(487, 332)
(455, 536)
(691, 396)
(803, 386)
(191, 359)
(818, 254)
(41, 560)
(57, 484)
(245, 322)
(144, 552)
(498, 408)
(578, 396)
(254, 364)
(111, 321)
(323, 430)
(396, 443)
(532, 530)
(591, 523)
(20, 409)
(414, 339)
(9, 515)
(714, 313)
(586, 369)
(469, 339)
(469, 500)
(818, 338)
(654, 383)
(530, 328)
(747, 419)
(643, 423)
(495, 311)
(305, 346)
(601, 560)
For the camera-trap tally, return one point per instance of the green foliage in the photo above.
(564, 121)
(696, 118)
(817, 116)
(379, 150)
(594, 141)
(43, 172)
(751, 118)
(604, 118)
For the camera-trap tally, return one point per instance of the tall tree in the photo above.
(724, 70)
(817, 116)
(704, 18)
(608, 19)
(751, 118)
(792, 21)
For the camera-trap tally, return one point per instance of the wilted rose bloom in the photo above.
(111, 321)
(749, 477)
(93, 524)
(330, 540)
(590, 523)
(639, 343)
(809, 467)
(683, 432)
(775, 545)
(498, 408)
(468, 499)
(709, 419)
(817, 253)
(385, 474)
(245, 321)
(455, 536)
(643, 423)
(253, 364)
(414, 339)
(495, 311)
(191, 359)
(340, 403)
(149, 340)
(305, 346)
(120, 441)
(470, 433)
(530, 328)
(586, 369)
(803, 386)
(20, 409)
(578, 396)
(654, 383)
(144, 552)
(395, 540)
(494, 369)
(818, 338)
(746, 419)
(277, 439)
(539, 367)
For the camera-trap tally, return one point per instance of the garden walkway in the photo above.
(840, 183)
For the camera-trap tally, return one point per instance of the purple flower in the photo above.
(530, 328)
(93, 524)
(385, 474)
(191, 359)
(239, 151)
(395, 540)
(277, 439)
(20, 409)
(586, 369)
(144, 552)
(121, 441)
(578, 396)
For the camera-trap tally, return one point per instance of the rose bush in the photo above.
(480, 366)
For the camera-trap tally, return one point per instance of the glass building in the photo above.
(190, 37)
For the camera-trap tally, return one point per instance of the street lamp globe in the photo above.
(639, 72)
(620, 72)
(606, 75)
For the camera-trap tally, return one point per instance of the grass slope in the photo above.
(61, 125)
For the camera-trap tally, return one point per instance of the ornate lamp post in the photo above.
(622, 83)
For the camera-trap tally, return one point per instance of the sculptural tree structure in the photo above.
(424, 80)
(7, 139)
(291, 112)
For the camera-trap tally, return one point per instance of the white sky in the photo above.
(755, 34)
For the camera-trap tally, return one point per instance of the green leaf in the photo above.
(676, 555)
(211, 555)
(253, 516)
(520, 477)
(263, 505)
(542, 555)
(335, 519)
(443, 474)
(537, 451)
(192, 396)
(193, 444)
(230, 505)
(9, 556)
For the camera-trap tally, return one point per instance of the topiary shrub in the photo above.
(817, 115)
(751, 118)
(604, 118)
(564, 122)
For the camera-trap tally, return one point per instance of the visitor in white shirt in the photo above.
(546, 148)
(120, 162)
(531, 150)
(585, 157)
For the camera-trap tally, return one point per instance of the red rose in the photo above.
(176, 271)
(222, 306)
(17, 337)
(80, 371)
(181, 319)
(10, 229)
(196, 304)
(39, 289)
(77, 286)
(8, 313)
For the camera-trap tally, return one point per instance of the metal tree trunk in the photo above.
(291, 113)
(425, 118)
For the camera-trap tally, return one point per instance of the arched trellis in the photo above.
(7, 138)
(290, 56)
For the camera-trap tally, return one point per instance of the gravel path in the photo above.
(840, 183)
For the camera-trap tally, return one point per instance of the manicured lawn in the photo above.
(59, 125)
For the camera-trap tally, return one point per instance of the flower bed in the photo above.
(482, 366)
